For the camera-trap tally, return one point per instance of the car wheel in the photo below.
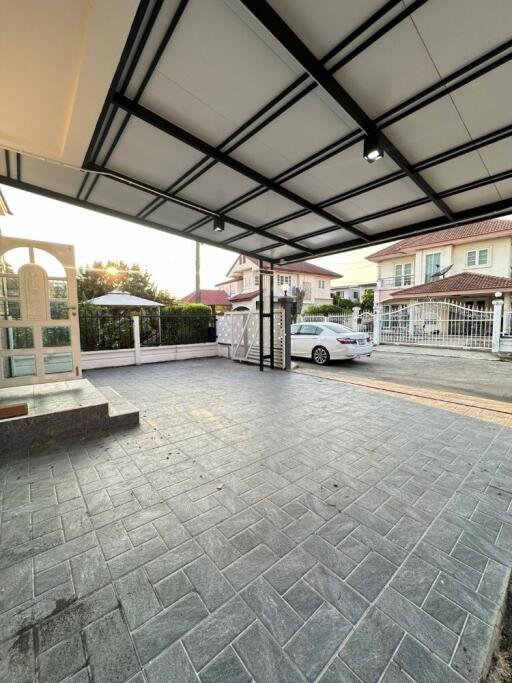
(320, 355)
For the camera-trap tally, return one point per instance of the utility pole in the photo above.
(198, 273)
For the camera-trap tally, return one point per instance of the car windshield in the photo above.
(334, 327)
(294, 329)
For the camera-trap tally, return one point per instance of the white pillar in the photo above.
(496, 324)
(507, 313)
(355, 317)
(136, 339)
(376, 324)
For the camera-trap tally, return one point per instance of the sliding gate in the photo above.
(256, 336)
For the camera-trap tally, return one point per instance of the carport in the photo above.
(253, 527)
(243, 124)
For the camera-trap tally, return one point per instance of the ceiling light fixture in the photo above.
(218, 224)
(373, 147)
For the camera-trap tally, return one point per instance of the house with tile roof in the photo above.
(242, 285)
(465, 264)
(217, 299)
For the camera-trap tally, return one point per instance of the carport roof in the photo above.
(256, 112)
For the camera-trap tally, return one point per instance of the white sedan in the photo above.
(328, 341)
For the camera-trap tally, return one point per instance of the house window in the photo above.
(477, 257)
(257, 280)
(284, 280)
(403, 274)
(432, 265)
(321, 284)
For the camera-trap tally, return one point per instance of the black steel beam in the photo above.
(102, 126)
(465, 187)
(273, 23)
(430, 162)
(485, 212)
(157, 121)
(441, 88)
(210, 213)
(233, 140)
(58, 196)
(178, 13)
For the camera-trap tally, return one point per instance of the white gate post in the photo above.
(496, 324)
(355, 316)
(376, 324)
(136, 339)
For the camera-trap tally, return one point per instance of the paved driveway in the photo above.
(267, 527)
(475, 375)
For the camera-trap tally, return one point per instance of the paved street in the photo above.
(256, 527)
(466, 375)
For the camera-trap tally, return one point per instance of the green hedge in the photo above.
(186, 309)
(326, 309)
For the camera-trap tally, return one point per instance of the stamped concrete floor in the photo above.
(267, 527)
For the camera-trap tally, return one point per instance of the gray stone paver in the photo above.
(254, 528)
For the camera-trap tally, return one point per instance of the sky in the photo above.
(169, 259)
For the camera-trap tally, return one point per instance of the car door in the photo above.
(294, 331)
(306, 339)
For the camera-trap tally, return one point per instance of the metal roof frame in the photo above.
(316, 74)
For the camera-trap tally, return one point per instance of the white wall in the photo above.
(153, 354)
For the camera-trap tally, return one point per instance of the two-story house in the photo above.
(242, 287)
(466, 264)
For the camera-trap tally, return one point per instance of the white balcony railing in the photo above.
(396, 282)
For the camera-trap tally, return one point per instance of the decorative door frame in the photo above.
(26, 337)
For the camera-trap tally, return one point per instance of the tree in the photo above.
(101, 278)
(367, 300)
(343, 305)
(298, 293)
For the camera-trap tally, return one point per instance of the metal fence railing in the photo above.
(105, 332)
(170, 330)
(437, 323)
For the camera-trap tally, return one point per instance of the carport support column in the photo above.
(376, 324)
(261, 317)
(136, 339)
(286, 304)
(497, 314)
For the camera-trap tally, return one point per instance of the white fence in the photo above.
(438, 323)
(430, 323)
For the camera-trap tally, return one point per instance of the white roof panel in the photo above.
(472, 198)
(151, 156)
(55, 177)
(415, 215)
(380, 77)
(175, 216)
(120, 197)
(340, 173)
(267, 207)
(459, 31)
(324, 23)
